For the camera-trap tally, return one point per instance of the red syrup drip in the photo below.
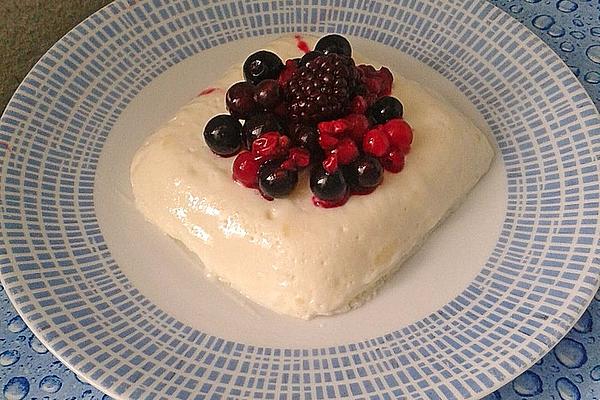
(330, 204)
(301, 44)
(265, 196)
(208, 90)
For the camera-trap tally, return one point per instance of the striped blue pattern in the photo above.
(61, 276)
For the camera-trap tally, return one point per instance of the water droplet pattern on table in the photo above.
(9, 357)
(51, 384)
(567, 390)
(29, 371)
(17, 388)
(528, 384)
(571, 371)
(556, 20)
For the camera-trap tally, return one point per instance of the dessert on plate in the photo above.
(303, 178)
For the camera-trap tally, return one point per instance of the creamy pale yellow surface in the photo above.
(288, 255)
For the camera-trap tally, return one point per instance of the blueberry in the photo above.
(307, 136)
(262, 65)
(276, 182)
(311, 55)
(384, 109)
(239, 100)
(223, 135)
(330, 187)
(258, 124)
(268, 94)
(334, 44)
(364, 173)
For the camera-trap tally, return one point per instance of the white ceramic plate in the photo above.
(490, 292)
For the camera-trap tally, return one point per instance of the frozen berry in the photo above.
(306, 136)
(240, 100)
(331, 162)
(286, 74)
(393, 161)
(364, 174)
(245, 169)
(297, 158)
(270, 146)
(276, 182)
(325, 186)
(374, 83)
(336, 128)
(262, 65)
(387, 79)
(311, 55)
(358, 105)
(376, 142)
(328, 142)
(347, 151)
(359, 125)
(268, 94)
(322, 89)
(223, 135)
(258, 124)
(334, 44)
(400, 134)
(384, 109)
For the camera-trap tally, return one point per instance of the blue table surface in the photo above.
(569, 372)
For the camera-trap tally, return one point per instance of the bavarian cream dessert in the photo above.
(303, 178)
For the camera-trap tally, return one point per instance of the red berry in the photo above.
(270, 145)
(346, 151)
(327, 142)
(359, 126)
(337, 127)
(358, 105)
(281, 110)
(284, 142)
(367, 70)
(393, 161)
(373, 86)
(330, 164)
(386, 81)
(400, 134)
(297, 158)
(245, 169)
(290, 67)
(376, 142)
(377, 83)
(300, 156)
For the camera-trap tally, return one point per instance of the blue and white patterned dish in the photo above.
(63, 279)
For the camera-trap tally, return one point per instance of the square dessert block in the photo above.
(288, 255)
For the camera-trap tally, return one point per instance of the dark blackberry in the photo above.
(322, 89)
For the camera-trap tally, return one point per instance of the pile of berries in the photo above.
(321, 112)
